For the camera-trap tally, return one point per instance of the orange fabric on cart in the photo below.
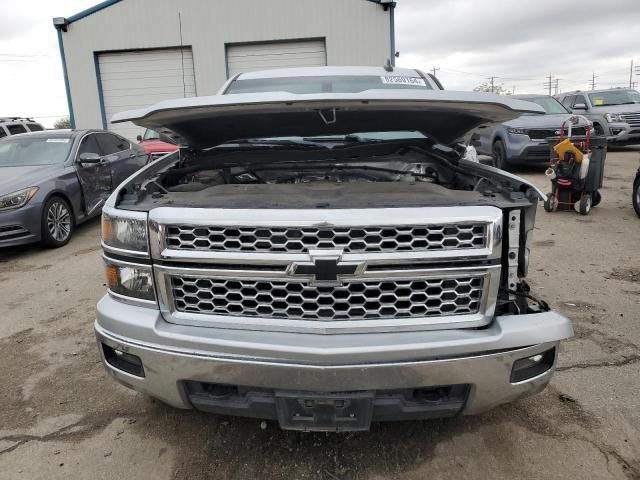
(566, 146)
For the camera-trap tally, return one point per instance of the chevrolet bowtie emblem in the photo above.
(326, 267)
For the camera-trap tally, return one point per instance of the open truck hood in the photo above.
(445, 116)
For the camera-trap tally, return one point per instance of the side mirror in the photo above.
(139, 138)
(579, 106)
(90, 158)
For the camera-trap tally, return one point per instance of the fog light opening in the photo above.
(126, 362)
(527, 368)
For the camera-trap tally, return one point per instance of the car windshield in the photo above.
(33, 150)
(550, 104)
(614, 97)
(150, 134)
(329, 84)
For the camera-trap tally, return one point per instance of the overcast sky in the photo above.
(518, 41)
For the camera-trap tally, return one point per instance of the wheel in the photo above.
(500, 155)
(636, 195)
(583, 206)
(551, 203)
(598, 130)
(596, 198)
(57, 222)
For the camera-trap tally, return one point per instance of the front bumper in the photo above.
(20, 226)
(174, 356)
(622, 132)
(521, 148)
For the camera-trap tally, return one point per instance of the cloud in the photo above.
(519, 41)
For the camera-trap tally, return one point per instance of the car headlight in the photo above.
(130, 280)
(17, 199)
(613, 117)
(518, 131)
(125, 230)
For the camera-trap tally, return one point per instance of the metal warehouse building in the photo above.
(126, 54)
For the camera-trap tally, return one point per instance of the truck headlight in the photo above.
(518, 131)
(613, 117)
(17, 199)
(125, 230)
(130, 280)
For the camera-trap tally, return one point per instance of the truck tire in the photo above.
(499, 153)
(636, 195)
(57, 223)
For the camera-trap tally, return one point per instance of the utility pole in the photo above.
(434, 70)
(549, 84)
(631, 75)
(592, 82)
(556, 88)
(491, 80)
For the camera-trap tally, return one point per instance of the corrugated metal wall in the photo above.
(356, 32)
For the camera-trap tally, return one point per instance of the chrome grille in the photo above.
(348, 239)
(631, 118)
(356, 300)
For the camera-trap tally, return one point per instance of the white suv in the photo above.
(15, 125)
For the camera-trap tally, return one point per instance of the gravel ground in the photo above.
(62, 417)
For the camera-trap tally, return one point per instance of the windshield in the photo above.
(329, 84)
(614, 97)
(550, 104)
(150, 134)
(31, 150)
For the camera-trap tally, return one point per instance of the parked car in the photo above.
(154, 145)
(288, 266)
(50, 181)
(615, 112)
(523, 140)
(16, 125)
(330, 80)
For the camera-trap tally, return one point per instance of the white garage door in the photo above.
(141, 78)
(263, 56)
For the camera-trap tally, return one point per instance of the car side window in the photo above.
(568, 101)
(580, 99)
(2, 132)
(34, 127)
(16, 128)
(110, 143)
(89, 145)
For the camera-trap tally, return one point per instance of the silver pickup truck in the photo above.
(325, 260)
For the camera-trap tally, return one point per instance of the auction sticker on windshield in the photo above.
(402, 80)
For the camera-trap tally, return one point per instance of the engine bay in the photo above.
(359, 176)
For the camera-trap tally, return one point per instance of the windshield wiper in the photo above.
(343, 139)
(272, 142)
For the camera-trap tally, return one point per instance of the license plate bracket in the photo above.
(343, 411)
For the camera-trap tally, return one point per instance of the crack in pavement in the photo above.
(625, 360)
(22, 439)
